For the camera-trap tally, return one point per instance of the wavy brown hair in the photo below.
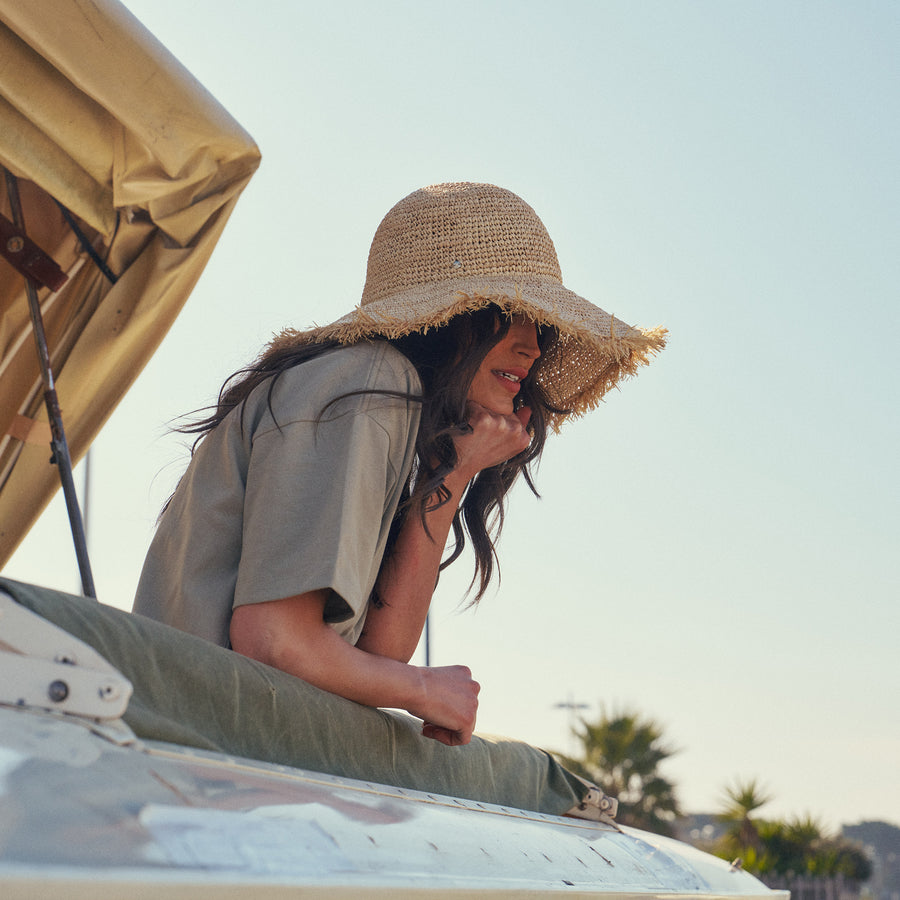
(446, 360)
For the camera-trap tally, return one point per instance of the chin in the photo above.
(500, 406)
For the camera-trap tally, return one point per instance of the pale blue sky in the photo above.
(717, 546)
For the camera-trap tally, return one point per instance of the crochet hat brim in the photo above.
(591, 352)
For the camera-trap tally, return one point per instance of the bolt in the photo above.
(58, 691)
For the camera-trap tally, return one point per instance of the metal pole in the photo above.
(86, 496)
(58, 444)
(571, 706)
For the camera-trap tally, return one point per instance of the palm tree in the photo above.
(742, 799)
(837, 856)
(793, 848)
(823, 855)
(621, 754)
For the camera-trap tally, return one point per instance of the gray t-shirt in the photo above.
(271, 508)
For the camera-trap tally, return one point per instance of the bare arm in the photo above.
(407, 579)
(408, 576)
(291, 635)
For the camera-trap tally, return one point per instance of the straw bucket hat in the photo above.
(450, 249)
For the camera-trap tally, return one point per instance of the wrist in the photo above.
(418, 690)
(456, 481)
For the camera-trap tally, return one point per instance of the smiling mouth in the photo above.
(511, 381)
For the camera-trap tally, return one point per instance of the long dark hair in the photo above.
(446, 360)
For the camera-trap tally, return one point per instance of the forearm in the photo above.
(407, 579)
(330, 663)
(291, 635)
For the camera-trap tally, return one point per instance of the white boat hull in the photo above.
(84, 816)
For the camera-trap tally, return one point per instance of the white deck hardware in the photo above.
(44, 667)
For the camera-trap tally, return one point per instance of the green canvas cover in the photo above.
(191, 692)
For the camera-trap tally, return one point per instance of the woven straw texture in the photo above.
(449, 249)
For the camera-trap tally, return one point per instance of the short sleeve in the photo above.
(320, 495)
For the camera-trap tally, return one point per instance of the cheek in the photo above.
(482, 373)
(476, 388)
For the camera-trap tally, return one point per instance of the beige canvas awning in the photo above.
(97, 115)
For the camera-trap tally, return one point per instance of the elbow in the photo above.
(383, 646)
(252, 642)
(257, 638)
(286, 634)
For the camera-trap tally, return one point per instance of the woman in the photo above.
(309, 528)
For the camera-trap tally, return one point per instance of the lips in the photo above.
(510, 378)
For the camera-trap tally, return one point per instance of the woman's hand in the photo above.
(449, 704)
(493, 439)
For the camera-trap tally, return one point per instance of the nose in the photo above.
(526, 341)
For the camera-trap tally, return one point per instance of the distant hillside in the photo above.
(882, 841)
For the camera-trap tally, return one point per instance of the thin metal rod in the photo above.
(86, 496)
(58, 443)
